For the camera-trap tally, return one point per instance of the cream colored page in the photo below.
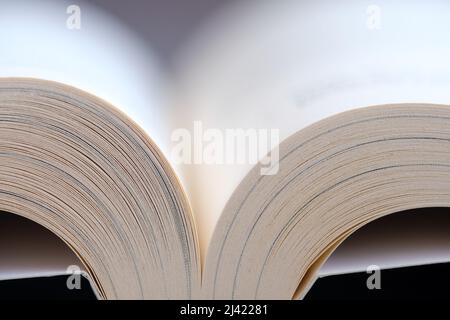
(286, 64)
(95, 53)
(83, 46)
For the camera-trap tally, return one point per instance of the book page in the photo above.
(264, 66)
(85, 47)
(82, 46)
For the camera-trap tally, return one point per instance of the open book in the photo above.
(273, 151)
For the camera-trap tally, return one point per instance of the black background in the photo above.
(424, 282)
